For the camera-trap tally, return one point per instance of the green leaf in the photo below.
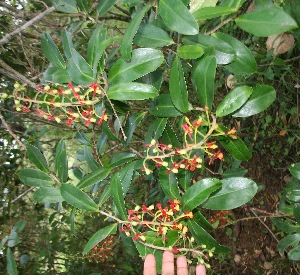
(95, 177)
(61, 162)
(104, 6)
(185, 178)
(152, 36)
(99, 236)
(77, 198)
(162, 106)
(83, 5)
(126, 175)
(48, 195)
(177, 17)
(200, 4)
(11, 267)
(131, 91)
(286, 225)
(266, 22)
(212, 12)
(104, 195)
(121, 158)
(79, 70)
(203, 237)
(203, 79)
(244, 62)
(199, 192)
(190, 52)
(169, 184)
(155, 129)
(34, 177)
(295, 170)
(131, 30)
(233, 101)
(234, 193)
(83, 138)
(56, 75)
(262, 97)
(223, 52)
(51, 52)
(294, 254)
(170, 137)
(118, 195)
(177, 87)
(235, 147)
(37, 158)
(131, 125)
(88, 157)
(285, 243)
(67, 6)
(67, 43)
(143, 61)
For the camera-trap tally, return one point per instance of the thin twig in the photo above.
(220, 25)
(21, 144)
(9, 36)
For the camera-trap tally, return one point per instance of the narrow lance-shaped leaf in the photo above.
(295, 170)
(177, 87)
(169, 184)
(177, 17)
(56, 75)
(67, 6)
(266, 22)
(289, 241)
(52, 52)
(67, 44)
(37, 158)
(61, 162)
(131, 91)
(143, 61)
(121, 158)
(11, 266)
(203, 79)
(234, 193)
(118, 195)
(77, 198)
(126, 46)
(131, 125)
(48, 195)
(34, 177)
(104, 6)
(162, 106)
(95, 177)
(155, 129)
(100, 236)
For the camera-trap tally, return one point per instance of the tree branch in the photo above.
(11, 73)
(9, 36)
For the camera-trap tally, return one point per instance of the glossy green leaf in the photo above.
(99, 236)
(244, 62)
(234, 193)
(51, 52)
(61, 162)
(66, 6)
(294, 254)
(295, 170)
(293, 195)
(77, 198)
(105, 128)
(177, 87)
(83, 138)
(105, 6)
(131, 91)
(88, 157)
(177, 17)
(56, 75)
(190, 52)
(203, 237)
(222, 51)
(48, 195)
(185, 178)
(11, 266)
(286, 225)
(121, 158)
(199, 192)
(266, 22)
(101, 143)
(126, 175)
(212, 12)
(37, 158)
(155, 129)
(198, 4)
(79, 70)
(170, 137)
(233, 100)
(104, 195)
(131, 124)
(118, 195)
(169, 184)
(143, 61)
(202, 221)
(83, 5)
(235, 147)
(95, 177)
(67, 43)
(296, 212)
(162, 106)
(152, 36)
(131, 30)
(262, 97)
(289, 241)
(34, 177)
(203, 79)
